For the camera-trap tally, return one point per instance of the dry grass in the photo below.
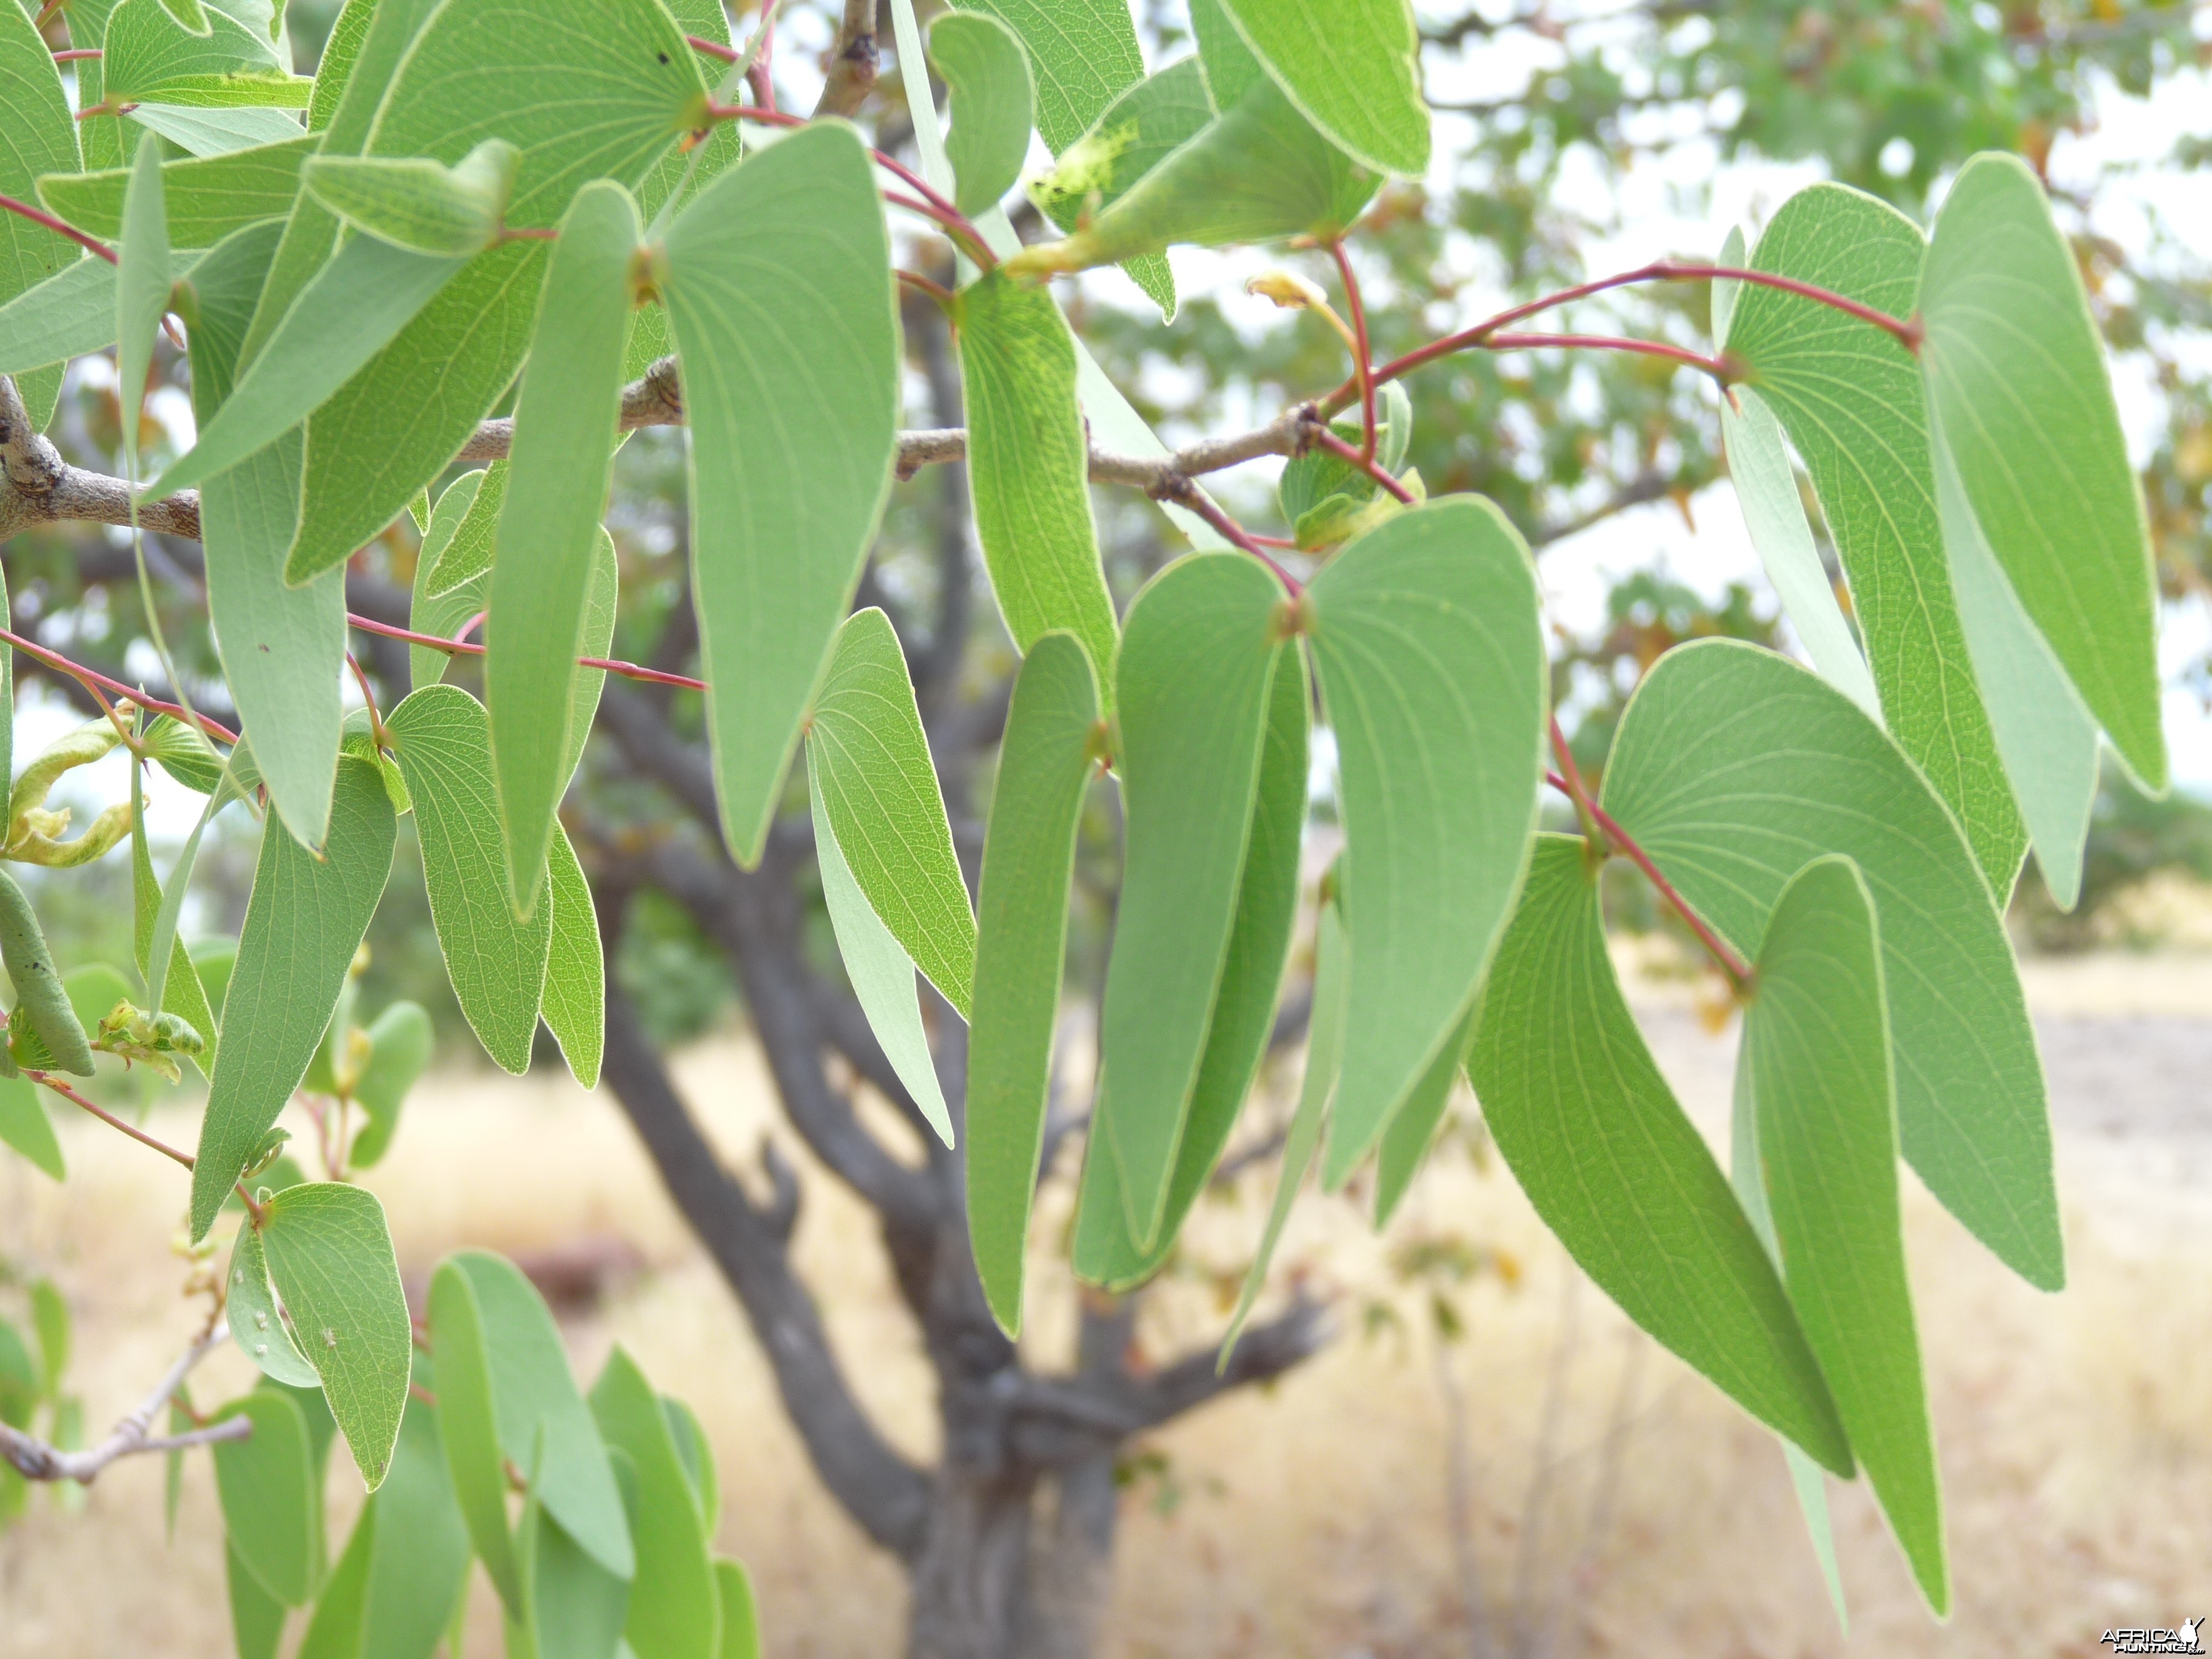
(2076, 1431)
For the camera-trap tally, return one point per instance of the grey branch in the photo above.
(35, 1460)
(44, 488)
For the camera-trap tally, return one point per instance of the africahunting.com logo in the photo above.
(2187, 1639)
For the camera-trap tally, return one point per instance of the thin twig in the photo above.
(36, 1460)
(1719, 367)
(1577, 791)
(1737, 972)
(107, 1117)
(92, 679)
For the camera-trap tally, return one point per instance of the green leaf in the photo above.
(880, 786)
(533, 1393)
(1029, 467)
(1732, 768)
(1353, 70)
(1324, 1052)
(94, 989)
(190, 14)
(1083, 52)
(741, 1636)
(257, 1618)
(1405, 1144)
(697, 1453)
(442, 738)
(1046, 761)
(468, 1426)
(1197, 660)
(365, 296)
(330, 1257)
(69, 314)
(42, 139)
(1245, 1007)
(414, 202)
(1767, 489)
(271, 1503)
(1255, 172)
(458, 548)
(1816, 1045)
(1318, 480)
(987, 73)
(19, 1379)
(49, 1317)
(283, 647)
(401, 1041)
(304, 921)
(1591, 1130)
(1849, 397)
(2017, 382)
(442, 612)
(341, 54)
(2047, 738)
(779, 276)
(1434, 675)
(149, 57)
(1231, 68)
(549, 523)
(258, 1326)
(588, 89)
(142, 283)
(573, 1003)
(25, 1126)
(675, 1608)
(1133, 136)
(215, 131)
(418, 1565)
(208, 197)
(42, 1011)
(8, 691)
(334, 1629)
(577, 1607)
(877, 964)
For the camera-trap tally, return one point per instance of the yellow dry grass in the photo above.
(1313, 1519)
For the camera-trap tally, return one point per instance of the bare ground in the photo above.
(1616, 1503)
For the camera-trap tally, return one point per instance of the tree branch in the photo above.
(35, 1460)
(854, 62)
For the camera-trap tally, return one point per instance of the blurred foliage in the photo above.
(2132, 838)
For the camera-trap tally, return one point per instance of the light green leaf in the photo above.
(442, 611)
(1045, 760)
(165, 966)
(342, 52)
(1434, 675)
(25, 1126)
(142, 283)
(1405, 1144)
(49, 1317)
(1135, 133)
(697, 1453)
(1725, 289)
(1595, 1137)
(577, 1607)
(330, 1257)
(442, 738)
(1353, 70)
(8, 691)
(987, 73)
(1324, 1052)
(877, 964)
(1849, 397)
(149, 57)
(675, 1608)
(549, 523)
(42, 139)
(272, 1503)
(2047, 738)
(1255, 174)
(69, 313)
(779, 276)
(208, 197)
(1733, 767)
(258, 1326)
(573, 1003)
(282, 648)
(533, 1394)
(364, 297)
(215, 131)
(304, 921)
(402, 1040)
(1231, 68)
(414, 202)
(1816, 1044)
(188, 13)
(257, 1618)
(418, 1564)
(1322, 495)
(1197, 660)
(42, 1016)
(1243, 1008)
(94, 989)
(588, 89)
(741, 1636)
(1083, 52)
(459, 550)
(872, 762)
(1767, 489)
(1029, 467)
(334, 1628)
(2017, 380)
(468, 1426)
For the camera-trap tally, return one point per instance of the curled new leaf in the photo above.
(415, 203)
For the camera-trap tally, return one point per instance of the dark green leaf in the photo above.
(778, 275)
(1045, 759)
(1594, 1135)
